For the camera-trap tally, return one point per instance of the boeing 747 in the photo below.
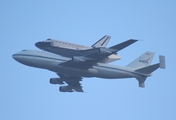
(72, 70)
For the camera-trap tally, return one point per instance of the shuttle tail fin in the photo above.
(102, 42)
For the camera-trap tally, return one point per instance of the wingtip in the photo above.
(107, 36)
(134, 40)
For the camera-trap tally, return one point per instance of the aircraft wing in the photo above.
(90, 58)
(123, 45)
(93, 56)
(73, 83)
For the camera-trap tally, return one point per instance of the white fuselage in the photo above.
(52, 62)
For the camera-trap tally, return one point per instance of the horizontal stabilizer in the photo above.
(122, 45)
(148, 69)
(151, 68)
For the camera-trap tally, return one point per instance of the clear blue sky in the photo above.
(25, 92)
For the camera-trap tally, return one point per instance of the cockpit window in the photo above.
(49, 39)
(23, 50)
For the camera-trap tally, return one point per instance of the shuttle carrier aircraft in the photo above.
(72, 70)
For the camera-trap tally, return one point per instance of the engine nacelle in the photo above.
(104, 51)
(56, 81)
(65, 89)
(77, 59)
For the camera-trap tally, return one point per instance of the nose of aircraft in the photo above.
(13, 56)
(20, 57)
(42, 44)
(16, 57)
(38, 44)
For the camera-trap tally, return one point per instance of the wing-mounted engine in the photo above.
(77, 59)
(56, 81)
(73, 83)
(65, 89)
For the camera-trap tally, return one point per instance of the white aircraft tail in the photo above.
(143, 61)
(149, 70)
(102, 42)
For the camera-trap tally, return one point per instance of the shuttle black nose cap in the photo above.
(38, 44)
(42, 45)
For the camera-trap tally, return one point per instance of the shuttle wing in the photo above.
(123, 45)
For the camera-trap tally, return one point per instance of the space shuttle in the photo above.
(68, 49)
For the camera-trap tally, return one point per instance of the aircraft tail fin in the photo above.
(143, 61)
(150, 69)
(102, 42)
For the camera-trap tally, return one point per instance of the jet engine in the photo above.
(77, 59)
(65, 89)
(56, 81)
(104, 51)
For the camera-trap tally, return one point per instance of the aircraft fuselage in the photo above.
(52, 62)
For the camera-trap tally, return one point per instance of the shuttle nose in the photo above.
(42, 44)
(38, 44)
